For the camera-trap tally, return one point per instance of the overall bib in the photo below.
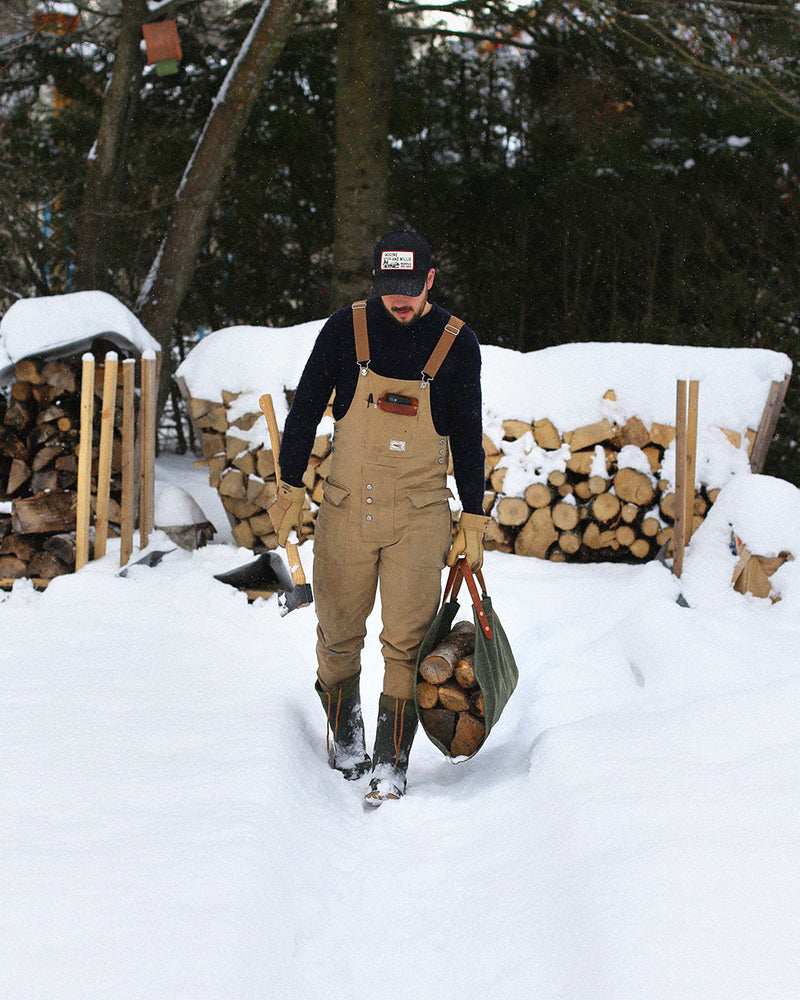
(384, 518)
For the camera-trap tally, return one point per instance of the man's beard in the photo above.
(410, 315)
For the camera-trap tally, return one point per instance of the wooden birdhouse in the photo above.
(56, 18)
(163, 46)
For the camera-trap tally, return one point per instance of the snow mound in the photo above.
(567, 384)
(764, 513)
(58, 325)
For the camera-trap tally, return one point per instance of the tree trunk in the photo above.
(363, 78)
(172, 271)
(104, 171)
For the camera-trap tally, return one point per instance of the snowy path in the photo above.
(170, 830)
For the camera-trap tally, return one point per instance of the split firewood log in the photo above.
(512, 511)
(513, 430)
(44, 513)
(62, 546)
(546, 435)
(569, 542)
(465, 672)
(536, 535)
(538, 495)
(46, 566)
(605, 508)
(587, 437)
(650, 527)
(437, 722)
(470, 732)
(632, 486)
(626, 535)
(440, 664)
(427, 694)
(565, 515)
(641, 548)
(453, 696)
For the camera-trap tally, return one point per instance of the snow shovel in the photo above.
(299, 596)
(265, 576)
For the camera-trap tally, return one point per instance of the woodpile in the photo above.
(450, 702)
(245, 476)
(593, 508)
(39, 439)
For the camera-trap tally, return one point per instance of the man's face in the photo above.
(406, 309)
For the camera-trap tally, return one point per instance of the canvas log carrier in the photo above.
(495, 669)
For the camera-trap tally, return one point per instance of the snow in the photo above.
(572, 385)
(170, 827)
(58, 325)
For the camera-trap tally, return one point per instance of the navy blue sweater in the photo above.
(396, 351)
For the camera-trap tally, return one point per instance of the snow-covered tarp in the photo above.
(58, 325)
(572, 385)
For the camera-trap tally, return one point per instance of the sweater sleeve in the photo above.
(466, 425)
(310, 399)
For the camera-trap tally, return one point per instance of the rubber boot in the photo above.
(397, 725)
(347, 751)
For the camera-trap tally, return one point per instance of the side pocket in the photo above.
(334, 493)
(426, 498)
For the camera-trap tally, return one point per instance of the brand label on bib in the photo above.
(397, 446)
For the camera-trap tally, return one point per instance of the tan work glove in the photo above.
(286, 510)
(469, 540)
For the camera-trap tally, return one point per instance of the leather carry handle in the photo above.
(461, 571)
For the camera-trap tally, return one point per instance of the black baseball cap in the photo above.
(401, 264)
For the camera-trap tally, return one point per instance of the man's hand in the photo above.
(469, 540)
(286, 510)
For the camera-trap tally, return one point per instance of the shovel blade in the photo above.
(269, 573)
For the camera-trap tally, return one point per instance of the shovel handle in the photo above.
(265, 402)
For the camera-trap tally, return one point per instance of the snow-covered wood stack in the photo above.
(610, 500)
(39, 438)
(579, 439)
(42, 342)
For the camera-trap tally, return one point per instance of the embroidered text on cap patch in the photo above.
(397, 260)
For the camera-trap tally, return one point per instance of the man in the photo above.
(406, 377)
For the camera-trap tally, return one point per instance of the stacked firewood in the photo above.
(593, 507)
(244, 476)
(39, 439)
(450, 701)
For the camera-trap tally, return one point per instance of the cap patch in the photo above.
(397, 260)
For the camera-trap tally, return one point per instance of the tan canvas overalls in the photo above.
(384, 517)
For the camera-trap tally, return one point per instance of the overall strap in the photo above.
(446, 341)
(360, 330)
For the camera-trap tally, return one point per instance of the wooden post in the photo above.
(128, 461)
(685, 463)
(106, 447)
(148, 437)
(691, 460)
(769, 419)
(85, 464)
